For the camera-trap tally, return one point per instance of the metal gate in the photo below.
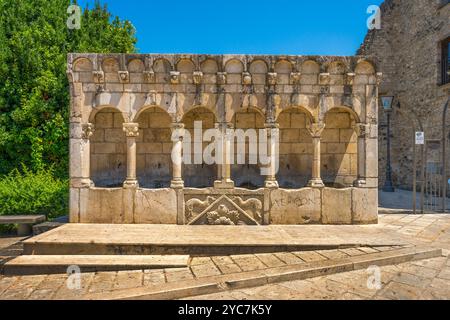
(433, 188)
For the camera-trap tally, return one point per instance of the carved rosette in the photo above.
(87, 130)
(131, 129)
(316, 129)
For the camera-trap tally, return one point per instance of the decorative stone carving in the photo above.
(272, 78)
(87, 130)
(362, 130)
(149, 76)
(131, 129)
(253, 207)
(316, 129)
(194, 207)
(223, 216)
(246, 78)
(221, 78)
(324, 79)
(224, 211)
(124, 76)
(174, 77)
(99, 76)
(197, 77)
(379, 78)
(295, 78)
(349, 78)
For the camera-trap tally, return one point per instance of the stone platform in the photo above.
(108, 239)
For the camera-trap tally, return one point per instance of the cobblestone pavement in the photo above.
(427, 279)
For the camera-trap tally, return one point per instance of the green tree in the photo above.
(34, 90)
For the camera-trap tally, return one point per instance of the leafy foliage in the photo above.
(33, 193)
(34, 90)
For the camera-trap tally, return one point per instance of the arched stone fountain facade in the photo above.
(124, 108)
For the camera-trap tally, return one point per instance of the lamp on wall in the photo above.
(386, 102)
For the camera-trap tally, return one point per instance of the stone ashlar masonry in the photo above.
(408, 47)
(125, 107)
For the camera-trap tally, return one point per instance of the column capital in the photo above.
(177, 126)
(131, 129)
(362, 130)
(316, 129)
(87, 130)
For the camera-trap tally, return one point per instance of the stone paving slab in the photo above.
(36, 264)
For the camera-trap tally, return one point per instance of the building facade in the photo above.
(412, 47)
(131, 115)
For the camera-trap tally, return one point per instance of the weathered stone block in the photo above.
(295, 206)
(98, 205)
(155, 206)
(364, 206)
(336, 206)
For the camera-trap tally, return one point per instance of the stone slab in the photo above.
(28, 219)
(49, 264)
(110, 239)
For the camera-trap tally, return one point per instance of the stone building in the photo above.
(127, 109)
(412, 48)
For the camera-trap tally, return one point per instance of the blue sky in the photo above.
(325, 27)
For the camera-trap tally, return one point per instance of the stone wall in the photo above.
(408, 48)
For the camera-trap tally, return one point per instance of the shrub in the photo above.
(27, 192)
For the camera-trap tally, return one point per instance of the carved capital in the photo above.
(316, 129)
(379, 78)
(349, 78)
(362, 130)
(99, 76)
(221, 78)
(87, 130)
(149, 76)
(324, 79)
(296, 77)
(124, 76)
(246, 78)
(272, 78)
(197, 77)
(174, 77)
(131, 129)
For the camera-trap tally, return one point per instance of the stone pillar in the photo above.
(224, 154)
(132, 132)
(80, 155)
(362, 130)
(316, 130)
(273, 133)
(177, 156)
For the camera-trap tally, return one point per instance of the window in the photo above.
(445, 61)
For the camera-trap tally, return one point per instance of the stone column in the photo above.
(224, 167)
(273, 133)
(177, 156)
(132, 132)
(362, 131)
(80, 159)
(316, 130)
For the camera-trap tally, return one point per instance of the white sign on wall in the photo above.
(420, 138)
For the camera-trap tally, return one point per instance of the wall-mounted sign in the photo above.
(420, 138)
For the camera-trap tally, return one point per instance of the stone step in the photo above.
(101, 239)
(214, 284)
(55, 264)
